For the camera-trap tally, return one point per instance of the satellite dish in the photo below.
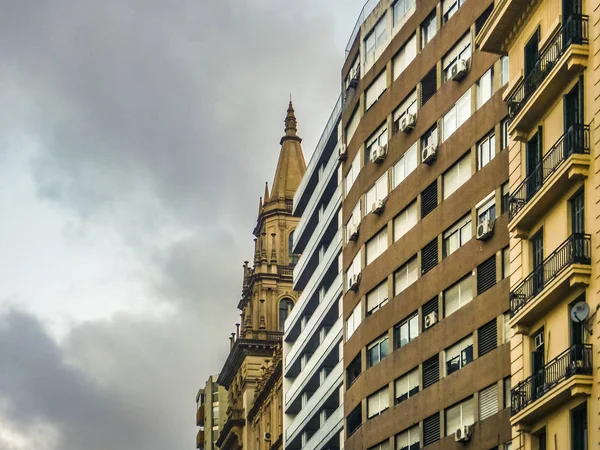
(580, 312)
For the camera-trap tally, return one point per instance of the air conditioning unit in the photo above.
(431, 319)
(459, 70)
(353, 232)
(378, 153)
(343, 153)
(429, 154)
(463, 434)
(378, 206)
(485, 229)
(354, 75)
(407, 123)
(267, 437)
(353, 282)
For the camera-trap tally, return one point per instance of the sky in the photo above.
(135, 140)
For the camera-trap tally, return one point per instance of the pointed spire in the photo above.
(266, 196)
(291, 125)
(260, 205)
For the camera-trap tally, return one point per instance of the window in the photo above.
(376, 245)
(486, 275)
(431, 429)
(215, 393)
(375, 90)
(504, 134)
(406, 275)
(405, 56)
(292, 257)
(354, 221)
(457, 115)
(431, 371)
(353, 370)
(378, 139)
(285, 307)
(354, 268)
(459, 416)
(429, 199)
(506, 328)
(383, 445)
(405, 221)
(354, 420)
(486, 150)
(374, 41)
(428, 29)
(215, 416)
(457, 235)
(378, 403)
(405, 165)
(485, 87)
(409, 439)
(505, 262)
(377, 298)
(352, 125)
(459, 355)
(353, 321)
(355, 69)
(378, 192)
(507, 392)
(428, 85)
(378, 350)
(457, 175)
(408, 106)
(505, 193)
(402, 10)
(487, 338)
(504, 74)
(480, 22)
(458, 295)
(449, 8)
(406, 331)
(508, 446)
(462, 50)
(353, 172)
(431, 307)
(488, 402)
(429, 256)
(487, 210)
(407, 385)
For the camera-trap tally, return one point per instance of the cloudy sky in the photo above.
(135, 140)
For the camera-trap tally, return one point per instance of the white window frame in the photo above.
(504, 139)
(485, 207)
(486, 150)
(432, 26)
(355, 219)
(406, 220)
(450, 7)
(464, 291)
(485, 87)
(377, 343)
(352, 125)
(355, 267)
(383, 445)
(404, 385)
(374, 41)
(462, 50)
(456, 176)
(375, 90)
(405, 56)
(408, 106)
(381, 401)
(379, 191)
(379, 138)
(457, 115)
(409, 437)
(377, 298)
(456, 350)
(353, 321)
(492, 391)
(355, 67)
(407, 163)
(401, 11)
(504, 70)
(406, 274)
(409, 324)
(353, 172)
(376, 246)
(466, 415)
(457, 235)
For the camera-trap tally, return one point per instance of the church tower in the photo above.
(252, 372)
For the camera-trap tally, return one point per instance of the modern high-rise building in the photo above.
(554, 117)
(313, 371)
(211, 408)
(424, 213)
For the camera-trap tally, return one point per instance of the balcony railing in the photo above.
(576, 249)
(576, 140)
(573, 31)
(576, 360)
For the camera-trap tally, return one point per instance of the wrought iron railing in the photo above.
(576, 360)
(576, 249)
(573, 31)
(576, 140)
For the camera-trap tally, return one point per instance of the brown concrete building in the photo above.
(425, 216)
(211, 408)
(254, 418)
(554, 52)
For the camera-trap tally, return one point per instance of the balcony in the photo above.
(566, 376)
(562, 58)
(231, 434)
(200, 416)
(200, 439)
(567, 267)
(563, 165)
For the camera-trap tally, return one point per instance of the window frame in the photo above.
(466, 281)
(411, 433)
(379, 190)
(406, 225)
(454, 118)
(379, 34)
(411, 387)
(407, 164)
(381, 296)
(463, 421)
(460, 167)
(486, 209)
(383, 398)
(464, 356)
(381, 343)
(408, 106)
(409, 324)
(405, 56)
(410, 266)
(490, 140)
(375, 90)
(463, 224)
(353, 321)
(428, 28)
(380, 240)
(463, 49)
(485, 88)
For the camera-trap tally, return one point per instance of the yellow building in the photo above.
(211, 408)
(553, 49)
(254, 417)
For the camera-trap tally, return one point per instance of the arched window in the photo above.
(292, 257)
(285, 307)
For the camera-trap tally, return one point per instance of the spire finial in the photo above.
(266, 196)
(290, 120)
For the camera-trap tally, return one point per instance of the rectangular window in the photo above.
(352, 125)
(353, 74)
(377, 139)
(353, 321)
(354, 420)
(504, 71)
(374, 41)
(408, 106)
(405, 56)
(353, 222)
(488, 402)
(378, 192)
(429, 308)
(458, 295)
(486, 150)
(457, 115)
(429, 256)
(504, 134)
(376, 245)
(459, 416)
(355, 267)
(505, 262)
(406, 275)
(431, 429)
(375, 90)
(505, 193)
(506, 328)
(462, 50)
(406, 331)
(377, 350)
(507, 387)
(383, 445)
(378, 403)
(480, 22)
(485, 88)
(430, 137)
(429, 199)
(428, 29)
(407, 385)
(449, 8)
(487, 210)
(486, 275)
(405, 165)
(431, 371)
(487, 337)
(353, 370)
(457, 175)
(409, 439)
(428, 85)
(377, 298)
(459, 355)
(457, 235)
(402, 10)
(405, 221)
(353, 173)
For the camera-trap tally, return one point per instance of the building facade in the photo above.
(267, 299)
(425, 212)
(554, 52)
(313, 371)
(211, 408)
